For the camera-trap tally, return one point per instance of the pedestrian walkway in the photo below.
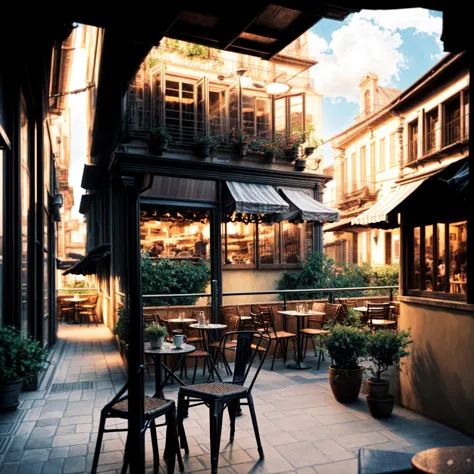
(304, 430)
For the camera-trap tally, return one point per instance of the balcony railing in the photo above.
(373, 109)
(354, 190)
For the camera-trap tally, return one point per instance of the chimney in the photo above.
(368, 93)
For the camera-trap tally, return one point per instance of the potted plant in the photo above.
(155, 334)
(347, 346)
(203, 145)
(21, 359)
(240, 139)
(270, 149)
(158, 140)
(312, 141)
(292, 145)
(384, 349)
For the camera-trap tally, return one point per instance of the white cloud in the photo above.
(370, 41)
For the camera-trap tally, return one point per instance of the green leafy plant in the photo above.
(204, 140)
(121, 329)
(20, 358)
(239, 136)
(154, 331)
(270, 147)
(347, 346)
(353, 318)
(152, 62)
(159, 132)
(196, 51)
(385, 349)
(293, 142)
(311, 139)
(173, 277)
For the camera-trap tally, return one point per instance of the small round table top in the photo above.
(302, 315)
(245, 318)
(208, 327)
(78, 300)
(447, 460)
(183, 321)
(169, 349)
(363, 309)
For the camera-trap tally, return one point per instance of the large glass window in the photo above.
(296, 114)
(239, 244)
(432, 130)
(269, 243)
(429, 260)
(458, 257)
(452, 120)
(179, 110)
(416, 257)
(413, 141)
(280, 118)
(256, 116)
(217, 117)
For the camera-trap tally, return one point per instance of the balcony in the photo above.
(438, 142)
(355, 193)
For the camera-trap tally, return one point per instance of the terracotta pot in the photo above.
(377, 388)
(381, 407)
(156, 146)
(270, 156)
(9, 395)
(345, 384)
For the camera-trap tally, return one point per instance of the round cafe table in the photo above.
(74, 302)
(160, 367)
(206, 332)
(446, 460)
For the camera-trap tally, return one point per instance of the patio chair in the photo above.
(154, 408)
(332, 316)
(378, 316)
(218, 351)
(219, 396)
(67, 308)
(88, 309)
(265, 323)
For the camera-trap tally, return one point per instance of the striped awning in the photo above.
(250, 199)
(305, 208)
(381, 210)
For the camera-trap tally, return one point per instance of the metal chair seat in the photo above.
(153, 407)
(214, 390)
(383, 322)
(197, 354)
(314, 332)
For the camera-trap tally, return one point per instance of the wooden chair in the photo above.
(378, 316)
(66, 308)
(88, 309)
(219, 396)
(218, 350)
(332, 316)
(154, 408)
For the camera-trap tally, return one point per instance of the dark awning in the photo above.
(304, 208)
(460, 181)
(88, 264)
(254, 199)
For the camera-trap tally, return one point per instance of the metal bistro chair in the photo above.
(378, 316)
(219, 396)
(218, 350)
(333, 314)
(265, 323)
(154, 408)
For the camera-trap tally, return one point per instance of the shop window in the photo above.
(1, 236)
(466, 113)
(439, 259)
(239, 244)
(269, 244)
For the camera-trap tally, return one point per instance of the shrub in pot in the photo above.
(21, 360)
(384, 350)
(240, 139)
(155, 334)
(204, 145)
(347, 346)
(158, 140)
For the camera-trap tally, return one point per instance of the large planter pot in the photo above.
(300, 165)
(157, 343)
(31, 386)
(381, 407)
(156, 146)
(377, 388)
(345, 384)
(9, 395)
(270, 156)
(309, 150)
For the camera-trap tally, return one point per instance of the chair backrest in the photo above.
(254, 309)
(150, 318)
(92, 300)
(228, 311)
(167, 325)
(233, 323)
(349, 302)
(378, 311)
(319, 306)
(333, 313)
(257, 320)
(249, 343)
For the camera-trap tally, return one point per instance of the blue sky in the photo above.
(398, 45)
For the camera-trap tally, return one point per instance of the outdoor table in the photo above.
(375, 322)
(446, 460)
(160, 366)
(74, 303)
(206, 331)
(299, 364)
(182, 321)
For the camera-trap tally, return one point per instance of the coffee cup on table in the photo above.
(178, 340)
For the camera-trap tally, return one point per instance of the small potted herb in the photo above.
(21, 360)
(155, 334)
(270, 149)
(384, 350)
(158, 140)
(240, 139)
(312, 142)
(204, 145)
(347, 346)
(291, 146)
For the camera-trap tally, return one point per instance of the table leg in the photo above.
(299, 364)
(158, 377)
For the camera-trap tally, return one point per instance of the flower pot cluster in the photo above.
(155, 334)
(21, 360)
(348, 346)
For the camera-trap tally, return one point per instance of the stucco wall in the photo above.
(437, 380)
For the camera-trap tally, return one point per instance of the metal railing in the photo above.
(354, 188)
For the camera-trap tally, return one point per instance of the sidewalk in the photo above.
(303, 429)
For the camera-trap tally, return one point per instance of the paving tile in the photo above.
(54, 466)
(9, 468)
(332, 419)
(35, 455)
(333, 450)
(43, 432)
(70, 440)
(48, 422)
(58, 452)
(302, 454)
(362, 439)
(78, 450)
(75, 420)
(35, 443)
(74, 465)
(237, 456)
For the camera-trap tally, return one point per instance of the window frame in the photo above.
(382, 155)
(393, 149)
(413, 154)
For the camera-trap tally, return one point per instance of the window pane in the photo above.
(240, 244)
(291, 243)
(248, 114)
(441, 261)
(264, 125)
(416, 258)
(217, 114)
(458, 257)
(452, 115)
(268, 243)
(280, 118)
(382, 155)
(429, 263)
(296, 114)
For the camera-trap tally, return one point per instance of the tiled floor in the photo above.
(304, 430)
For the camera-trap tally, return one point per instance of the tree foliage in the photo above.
(347, 346)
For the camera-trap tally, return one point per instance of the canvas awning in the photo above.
(342, 224)
(254, 199)
(379, 213)
(88, 264)
(304, 208)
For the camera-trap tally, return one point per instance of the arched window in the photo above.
(367, 102)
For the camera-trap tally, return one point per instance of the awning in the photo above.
(460, 181)
(88, 264)
(342, 224)
(305, 208)
(379, 212)
(254, 199)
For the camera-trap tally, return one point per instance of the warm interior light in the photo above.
(277, 88)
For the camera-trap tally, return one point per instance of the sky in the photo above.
(397, 45)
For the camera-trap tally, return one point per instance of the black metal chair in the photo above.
(218, 351)
(219, 396)
(154, 408)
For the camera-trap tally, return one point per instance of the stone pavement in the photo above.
(304, 430)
